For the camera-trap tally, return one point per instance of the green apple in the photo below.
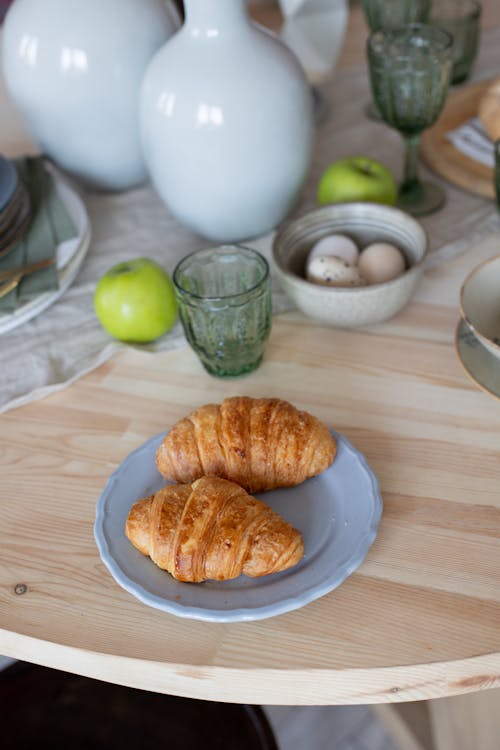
(135, 301)
(357, 178)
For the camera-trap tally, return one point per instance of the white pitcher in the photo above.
(227, 123)
(74, 68)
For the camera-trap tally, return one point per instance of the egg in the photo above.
(381, 262)
(329, 270)
(335, 244)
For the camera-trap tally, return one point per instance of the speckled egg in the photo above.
(381, 262)
(335, 244)
(329, 270)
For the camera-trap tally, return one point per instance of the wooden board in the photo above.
(442, 156)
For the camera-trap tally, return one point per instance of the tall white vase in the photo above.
(74, 68)
(227, 123)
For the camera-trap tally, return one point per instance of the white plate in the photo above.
(479, 364)
(337, 513)
(70, 255)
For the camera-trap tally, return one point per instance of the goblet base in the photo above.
(421, 198)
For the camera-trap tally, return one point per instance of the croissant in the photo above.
(212, 529)
(259, 443)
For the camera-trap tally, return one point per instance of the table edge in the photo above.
(311, 686)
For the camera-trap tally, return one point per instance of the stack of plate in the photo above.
(15, 208)
(478, 332)
(69, 254)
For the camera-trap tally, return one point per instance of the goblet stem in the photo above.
(411, 182)
(415, 197)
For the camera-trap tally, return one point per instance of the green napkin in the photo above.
(50, 225)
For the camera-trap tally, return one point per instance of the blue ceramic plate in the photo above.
(337, 513)
(8, 181)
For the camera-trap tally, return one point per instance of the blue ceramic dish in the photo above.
(337, 512)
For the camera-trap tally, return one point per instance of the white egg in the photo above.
(331, 271)
(335, 244)
(381, 262)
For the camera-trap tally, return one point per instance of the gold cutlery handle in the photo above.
(8, 286)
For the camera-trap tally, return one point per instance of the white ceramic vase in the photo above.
(74, 69)
(227, 123)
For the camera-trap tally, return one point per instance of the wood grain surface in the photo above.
(442, 156)
(419, 619)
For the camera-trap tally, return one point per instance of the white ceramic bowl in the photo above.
(480, 303)
(364, 223)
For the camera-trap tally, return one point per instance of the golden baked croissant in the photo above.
(212, 529)
(260, 443)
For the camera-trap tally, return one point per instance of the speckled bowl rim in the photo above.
(369, 288)
(482, 338)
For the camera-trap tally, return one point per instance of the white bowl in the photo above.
(364, 223)
(480, 303)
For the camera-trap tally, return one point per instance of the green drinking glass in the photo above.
(224, 296)
(461, 18)
(410, 71)
(384, 15)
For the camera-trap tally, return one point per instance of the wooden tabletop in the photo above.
(420, 617)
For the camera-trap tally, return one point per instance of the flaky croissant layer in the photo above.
(212, 529)
(260, 443)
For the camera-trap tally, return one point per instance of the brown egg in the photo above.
(381, 262)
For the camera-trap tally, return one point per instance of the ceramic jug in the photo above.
(74, 68)
(227, 123)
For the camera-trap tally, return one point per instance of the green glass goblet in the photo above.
(384, 15)
(410, 70)
(461, 18)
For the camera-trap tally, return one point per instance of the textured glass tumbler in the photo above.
(461, 18)
(224, 296)
(383, 15)
(410, 70)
